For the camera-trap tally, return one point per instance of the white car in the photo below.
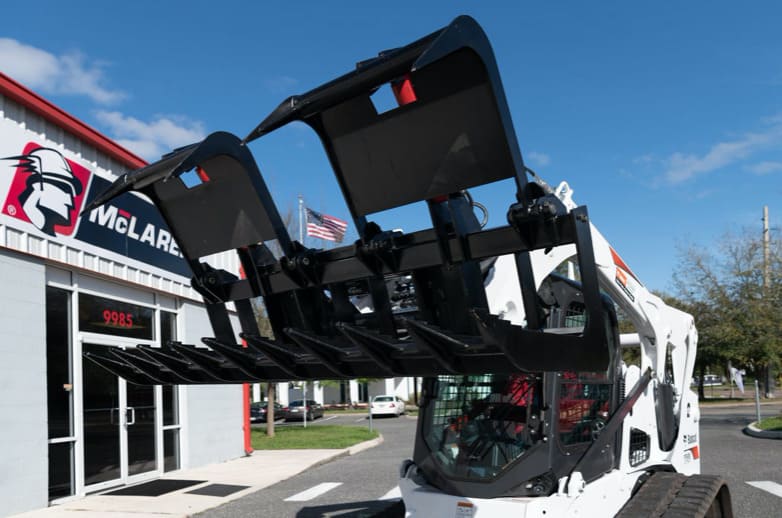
(387, 405)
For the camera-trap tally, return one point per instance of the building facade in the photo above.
(73, 285)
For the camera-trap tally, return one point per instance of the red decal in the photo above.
(621, 264)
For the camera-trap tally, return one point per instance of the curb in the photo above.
(754, 431)
(358, 448)
(735, 403)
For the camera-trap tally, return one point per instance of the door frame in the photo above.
(125, 478)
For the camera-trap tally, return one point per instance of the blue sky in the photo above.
(666, 118)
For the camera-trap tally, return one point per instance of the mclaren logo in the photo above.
(47, 190)
(122, 222)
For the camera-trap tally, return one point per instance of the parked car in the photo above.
(710, 380)
(387, 404)
(258, 411)
(295, 410)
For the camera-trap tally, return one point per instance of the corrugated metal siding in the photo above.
(23, 458)
(38, 128)
(213, 413)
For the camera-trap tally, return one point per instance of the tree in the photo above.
(261, 316)
(736, 308)
(265, 329)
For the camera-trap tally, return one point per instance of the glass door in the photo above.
(140, 428)
(102, 411)
(119, 427)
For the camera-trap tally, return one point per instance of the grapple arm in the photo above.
(452, 132)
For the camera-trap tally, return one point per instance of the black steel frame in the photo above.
(456, 134)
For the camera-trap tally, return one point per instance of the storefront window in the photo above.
(171, 460)
(167, 327)
(171, 449)
(60, 470)
(170, 406)
(114, 317)
(58, 363)
(59, 392)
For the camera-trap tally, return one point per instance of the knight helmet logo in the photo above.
(47, 190)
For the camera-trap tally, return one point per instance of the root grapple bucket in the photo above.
(451, 131)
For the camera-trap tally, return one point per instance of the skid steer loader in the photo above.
(527, 408)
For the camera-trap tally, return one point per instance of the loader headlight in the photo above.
(542, 485)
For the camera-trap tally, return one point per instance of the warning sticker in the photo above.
(465, 510)
(626, 282)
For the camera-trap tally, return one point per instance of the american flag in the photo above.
(325, 226)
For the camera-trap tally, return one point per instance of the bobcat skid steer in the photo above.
(527, 407)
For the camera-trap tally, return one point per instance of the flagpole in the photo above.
(301, 220)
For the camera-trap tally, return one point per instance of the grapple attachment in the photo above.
(452, 131)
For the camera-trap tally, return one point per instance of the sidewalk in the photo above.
(237, 478)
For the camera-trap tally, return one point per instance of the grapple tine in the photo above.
(321, 350)
(283, 359)
(439, 345)
(122, 369)
(532, 350)
(149, 367)
(247, 360)
(175, 362)
(374, 347)
(218, 367)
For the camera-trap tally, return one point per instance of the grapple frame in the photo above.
(454, 132)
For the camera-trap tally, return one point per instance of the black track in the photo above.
(673, 495)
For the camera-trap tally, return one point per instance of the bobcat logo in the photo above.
(47, 191)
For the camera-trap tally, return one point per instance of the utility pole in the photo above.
(766, 276)
(766, 266)
(301, 219)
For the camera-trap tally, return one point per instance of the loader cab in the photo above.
(518, 433)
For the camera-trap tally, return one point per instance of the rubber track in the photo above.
(671, 495)
(654, 496)
(695, 497)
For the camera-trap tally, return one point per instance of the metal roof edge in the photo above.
(32, 101)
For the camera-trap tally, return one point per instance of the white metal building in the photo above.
(113, 278)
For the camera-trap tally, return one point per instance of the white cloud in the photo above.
(151, 139)
(763, 168)
(67, 74)
(539, 159)
(681, 167)
(646, 159)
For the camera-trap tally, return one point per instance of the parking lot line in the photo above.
(767, 485)
(313, 492)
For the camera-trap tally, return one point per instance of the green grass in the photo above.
(717, 400)
(771, 424)
(312, 437)
(345, 411)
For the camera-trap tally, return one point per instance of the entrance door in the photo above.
(119, 426)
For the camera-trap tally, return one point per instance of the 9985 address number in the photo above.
(117, 318)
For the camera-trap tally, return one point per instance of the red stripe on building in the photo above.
(37, 104)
